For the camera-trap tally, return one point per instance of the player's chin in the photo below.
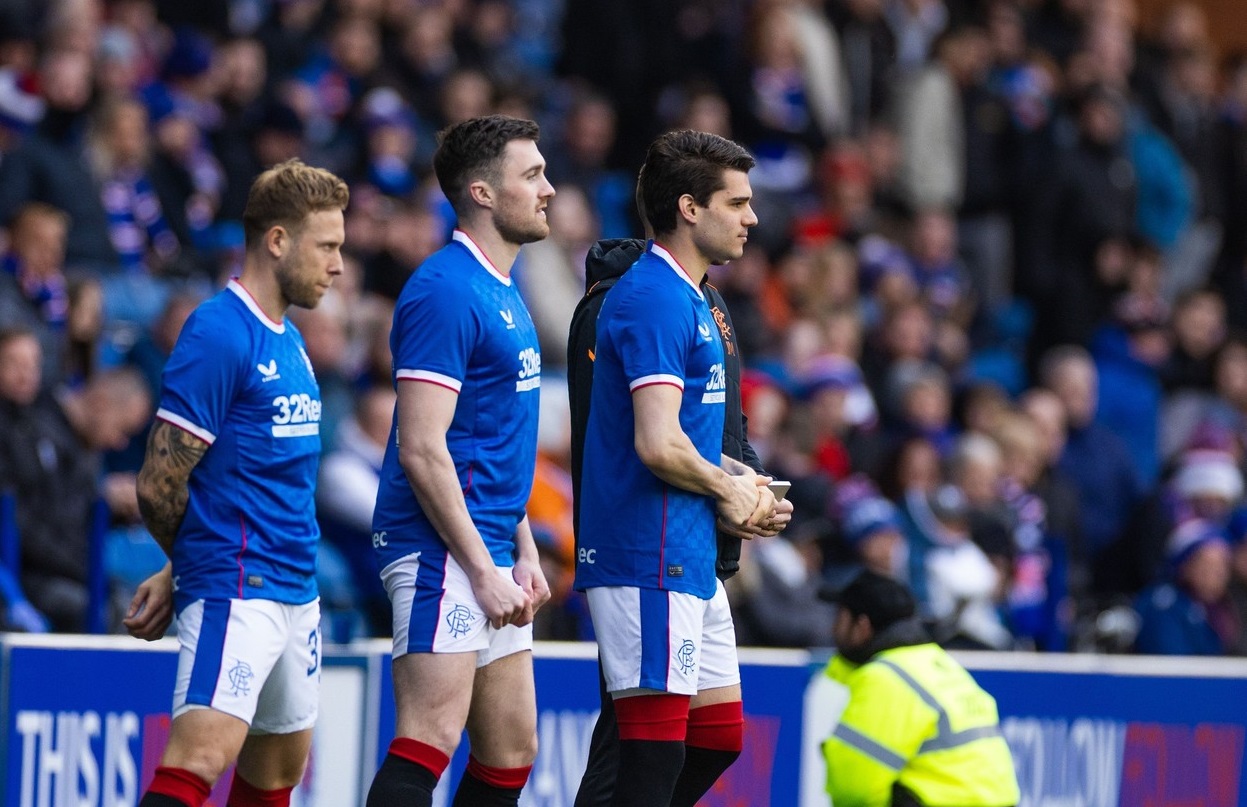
(311, 297)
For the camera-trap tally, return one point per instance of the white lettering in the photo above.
(1063, 764)
(378, 539)
(62, 767)
(588, 555)
(296, 430)
(121, 780)
(528, 384)
(530, 361)
(718, 378)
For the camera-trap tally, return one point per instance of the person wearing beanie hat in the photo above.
(1189, 614)
(873, 527)
(895, 743)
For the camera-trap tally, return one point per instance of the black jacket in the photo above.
(605, 264)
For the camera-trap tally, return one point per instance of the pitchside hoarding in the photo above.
(85, 719)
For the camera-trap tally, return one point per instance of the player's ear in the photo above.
(277, 241)
(687, 207)
(481, 193)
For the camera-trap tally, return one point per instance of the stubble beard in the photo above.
(515, 231)
(294, 288)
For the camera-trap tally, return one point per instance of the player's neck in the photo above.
(497, 250)
(686, 254)
(263, 288)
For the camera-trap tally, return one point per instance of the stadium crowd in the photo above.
(992, 318)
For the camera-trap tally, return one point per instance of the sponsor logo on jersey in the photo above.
(297, 415)
(716, 386)
(268, 371)
(530, 370)
(508, 319)
(704, 330)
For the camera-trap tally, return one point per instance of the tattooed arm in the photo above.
(172, 453)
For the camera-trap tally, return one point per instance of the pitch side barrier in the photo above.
(86, 717)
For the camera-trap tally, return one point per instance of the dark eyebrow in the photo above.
(737, 199)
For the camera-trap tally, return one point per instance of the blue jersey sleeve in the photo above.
(203, 376)
(435, 332)
(652, 332)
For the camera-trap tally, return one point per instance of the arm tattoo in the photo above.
(162, 484)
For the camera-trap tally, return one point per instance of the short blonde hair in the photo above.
(288, 193)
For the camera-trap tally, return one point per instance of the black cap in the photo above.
(882, 600)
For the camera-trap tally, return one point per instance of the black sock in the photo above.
(401, 783)
(473, 792)
(702, 768)
(598, 782)
(648, 770)
(160, 800)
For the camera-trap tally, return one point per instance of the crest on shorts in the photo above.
(684, 656)
(240, 676)
(459, 620)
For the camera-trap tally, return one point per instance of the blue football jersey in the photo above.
(461, 324)
(244, 384)
(635, 529)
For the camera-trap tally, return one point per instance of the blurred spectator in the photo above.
(839, 447)
(152, 350)
(324, 330)
(1129, 353)
(243, 69)
(919, 399)
(49, 166)
(345, 496)
(390, 151)
(1190, 615)
(1090, 199)
(583, 159)
(1039, 610)
(1198, 327)
(1094, 459)
(872, 527)
(119, 150)
(961, 586)
(551, 272)
(779, 580)
(51, 463)
(917, 25)
(1207, 485)
(869, 48)
(1060, 497)
(33, 291)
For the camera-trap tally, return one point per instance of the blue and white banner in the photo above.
(86, 719)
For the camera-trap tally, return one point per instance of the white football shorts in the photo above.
(665, 641)
(257, 660)
(435, 610)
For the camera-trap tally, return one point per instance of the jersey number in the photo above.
(313, 645)
(296, 409)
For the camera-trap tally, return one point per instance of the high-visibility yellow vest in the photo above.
(916, 718)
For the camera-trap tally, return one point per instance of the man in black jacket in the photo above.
(606, 263)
